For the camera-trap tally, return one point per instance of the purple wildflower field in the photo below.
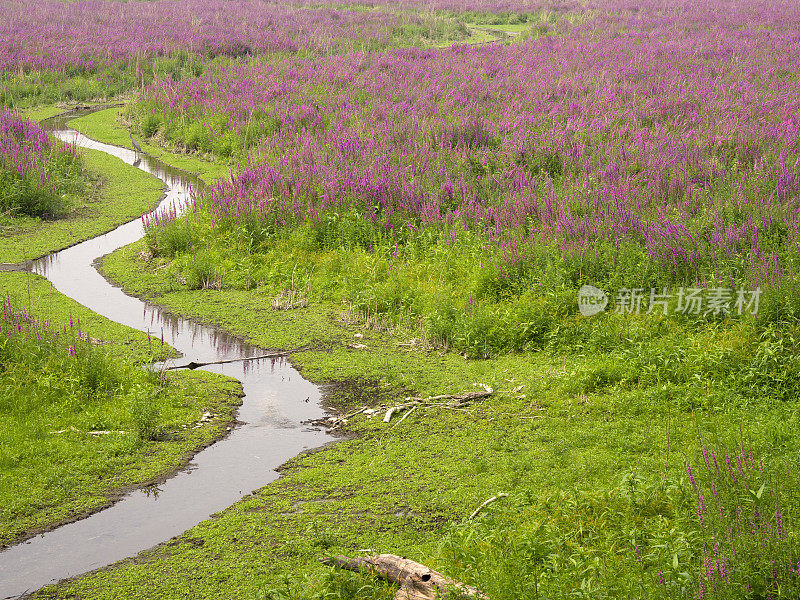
(34, 169)
(89, 35)
(24, 145)
(669, 131)
(449, 199)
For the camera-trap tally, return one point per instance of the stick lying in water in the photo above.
(196, 365)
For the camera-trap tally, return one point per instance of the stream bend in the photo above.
(270, 430)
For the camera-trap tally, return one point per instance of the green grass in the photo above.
(124, 194)
(41, 112)
(543, 437)
(589, 430)
(476, 36)
(50, 477)
(106, 126)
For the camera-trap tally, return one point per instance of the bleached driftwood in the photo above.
(487, 503)
(389, 413)
(403, 418)
(417, 582)
(456, 402)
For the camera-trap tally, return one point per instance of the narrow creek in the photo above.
(270, 430)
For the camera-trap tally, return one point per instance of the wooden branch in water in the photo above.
(417, 582)
(196, 365)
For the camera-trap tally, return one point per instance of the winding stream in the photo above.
(270, 429)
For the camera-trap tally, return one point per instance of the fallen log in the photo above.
(196, 365)
(417, 582)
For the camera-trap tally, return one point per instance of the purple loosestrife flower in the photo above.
(688, 470)
(492, 138)
(701, 510)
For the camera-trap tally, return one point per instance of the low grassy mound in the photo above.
(39, 177)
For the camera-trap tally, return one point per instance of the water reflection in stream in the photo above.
(276, 403)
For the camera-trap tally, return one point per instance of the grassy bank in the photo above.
(602, 461)
(116, 193)
(107, 126)
(82, 421)
(41, 112)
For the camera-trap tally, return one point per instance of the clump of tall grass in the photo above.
(453, 287)
(37, 174)
(619, 542)
(748, 515)
(165, 233)
(42, 363)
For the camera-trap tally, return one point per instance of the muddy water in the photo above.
(277, 401)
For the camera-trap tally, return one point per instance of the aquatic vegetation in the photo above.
(36, 173)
